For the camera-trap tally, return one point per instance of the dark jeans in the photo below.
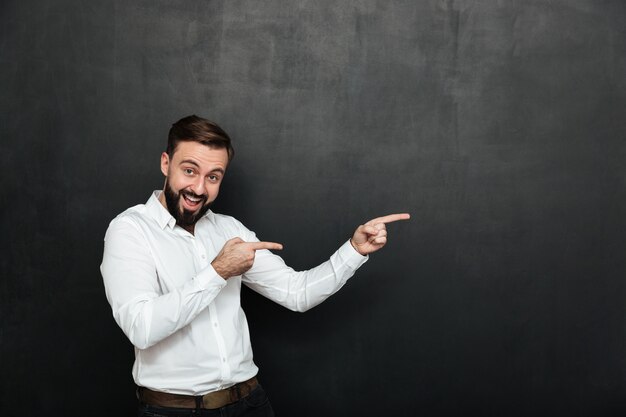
(256, 404)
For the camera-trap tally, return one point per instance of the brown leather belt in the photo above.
(210, 401)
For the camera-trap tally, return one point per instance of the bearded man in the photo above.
(173, 271)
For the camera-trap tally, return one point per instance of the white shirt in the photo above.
(185, 321)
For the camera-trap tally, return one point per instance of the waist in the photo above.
(210, 401)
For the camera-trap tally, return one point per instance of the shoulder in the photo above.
(133, 214)
(225, 221)
(229, 224)
(130, 219)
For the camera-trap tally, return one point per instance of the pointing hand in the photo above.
(237, 256)
(371, 236)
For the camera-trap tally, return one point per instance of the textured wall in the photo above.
(499, 125)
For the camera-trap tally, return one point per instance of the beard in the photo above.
(184, 218)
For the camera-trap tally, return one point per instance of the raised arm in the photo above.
(302, 290)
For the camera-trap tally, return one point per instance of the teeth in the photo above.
(195, 200)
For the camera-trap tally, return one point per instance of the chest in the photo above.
(179, 256)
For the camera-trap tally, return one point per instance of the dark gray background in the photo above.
(500, 126)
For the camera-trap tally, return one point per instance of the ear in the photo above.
(165, 163)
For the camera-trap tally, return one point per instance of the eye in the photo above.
(213, 178)
(188, 171)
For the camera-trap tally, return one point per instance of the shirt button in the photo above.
(203, 256)
(214, 324)
(223, 359)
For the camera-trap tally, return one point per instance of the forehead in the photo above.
(202, 155)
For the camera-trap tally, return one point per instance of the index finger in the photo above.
(263, 245)
(391, 218)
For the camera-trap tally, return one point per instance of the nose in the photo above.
(198, 186)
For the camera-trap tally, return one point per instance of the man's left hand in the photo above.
(371, 236)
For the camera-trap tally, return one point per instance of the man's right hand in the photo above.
(237, 256)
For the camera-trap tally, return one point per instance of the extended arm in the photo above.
(302, 290)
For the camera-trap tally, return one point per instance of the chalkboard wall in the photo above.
(500, 126)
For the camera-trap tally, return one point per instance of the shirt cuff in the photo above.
(208, 278)
(350, 256)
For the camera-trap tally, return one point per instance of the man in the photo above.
(173, 271)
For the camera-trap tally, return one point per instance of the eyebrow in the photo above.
(220, 170)
(189, 161)
(194, 163)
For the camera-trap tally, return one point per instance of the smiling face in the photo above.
(193, 177)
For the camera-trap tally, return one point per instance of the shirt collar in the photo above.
(161, 214)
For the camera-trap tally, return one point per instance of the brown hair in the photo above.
(196, 129)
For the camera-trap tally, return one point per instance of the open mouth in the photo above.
(192, 202)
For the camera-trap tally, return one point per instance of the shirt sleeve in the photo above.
(301, 290)
(132, 287)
